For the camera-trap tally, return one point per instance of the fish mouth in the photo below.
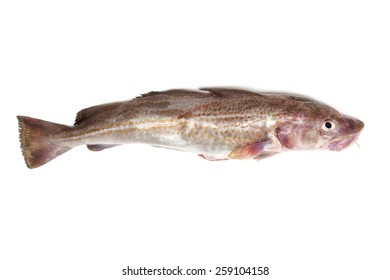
(342, 143)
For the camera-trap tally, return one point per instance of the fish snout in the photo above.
(352, 125)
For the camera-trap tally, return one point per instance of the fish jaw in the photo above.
(341, 144)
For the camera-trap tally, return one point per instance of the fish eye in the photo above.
(328, 125)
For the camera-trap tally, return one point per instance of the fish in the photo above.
(215, 123)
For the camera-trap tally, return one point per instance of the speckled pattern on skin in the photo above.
(215, 123)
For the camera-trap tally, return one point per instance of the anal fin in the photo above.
(212, 158)
(100, 147)
(264, 155)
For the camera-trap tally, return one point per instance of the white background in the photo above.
(306, 215)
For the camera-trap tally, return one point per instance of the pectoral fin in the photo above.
(249, 151)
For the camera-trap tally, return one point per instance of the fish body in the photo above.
(215, 123)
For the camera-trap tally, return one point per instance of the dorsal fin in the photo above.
(218, 92)
(87, 113)
(176, 92)
(230, 92)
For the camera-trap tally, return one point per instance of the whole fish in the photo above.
(216, 123)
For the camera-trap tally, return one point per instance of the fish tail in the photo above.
(36, 141)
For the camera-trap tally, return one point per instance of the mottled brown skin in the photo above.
(215, 123)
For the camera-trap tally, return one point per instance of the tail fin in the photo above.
(36, 141)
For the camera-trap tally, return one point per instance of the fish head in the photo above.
(318, 128)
